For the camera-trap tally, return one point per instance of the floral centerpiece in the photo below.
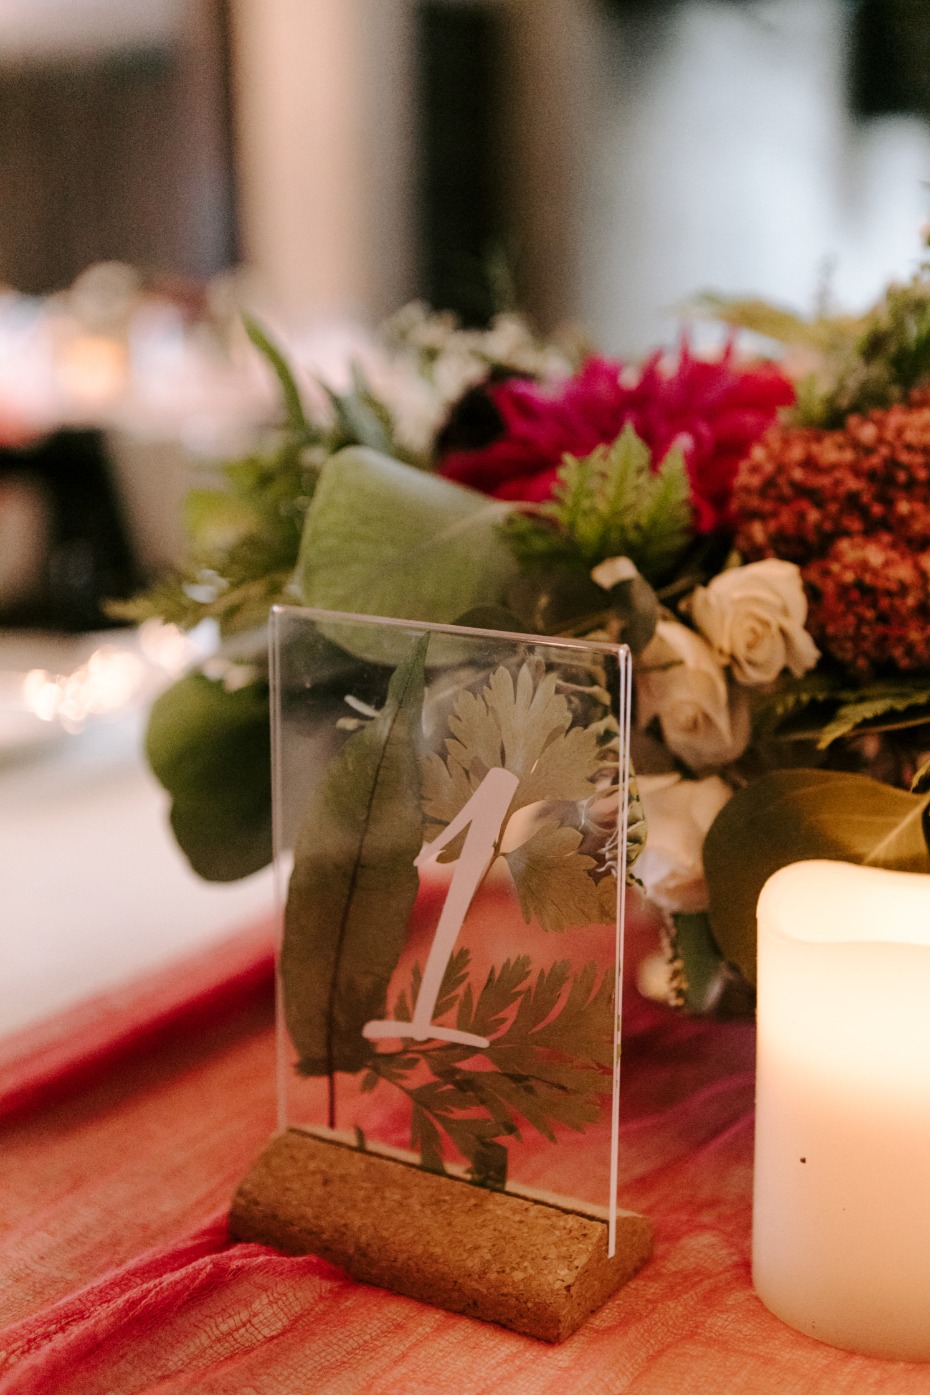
(757, 532)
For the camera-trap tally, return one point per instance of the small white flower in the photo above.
(678, 814)
(753, 617)
(681, 682)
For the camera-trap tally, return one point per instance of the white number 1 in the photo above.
(484, 816)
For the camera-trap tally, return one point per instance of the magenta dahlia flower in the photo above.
(715, 411)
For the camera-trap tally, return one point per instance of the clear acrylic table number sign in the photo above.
(450, 837)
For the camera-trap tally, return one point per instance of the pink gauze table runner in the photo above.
(128, 1126)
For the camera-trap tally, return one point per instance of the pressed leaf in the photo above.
(553, 1061)
(425, 1139)
(489, 1165)
(210, 749)
(795, 815)
(354, 883)
(502, 987)
(582, 1030)
(550, 1056)
(552, 879)
(522, 725)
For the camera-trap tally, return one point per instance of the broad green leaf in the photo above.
(553, 880)
(795, 815)
(354, 883)
(381, 538)
(210, 750)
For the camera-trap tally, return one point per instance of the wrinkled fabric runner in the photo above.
(44, 1062)
(117, 1276)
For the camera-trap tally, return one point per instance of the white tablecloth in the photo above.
(93, 889)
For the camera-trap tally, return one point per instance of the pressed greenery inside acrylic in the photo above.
(496, 774)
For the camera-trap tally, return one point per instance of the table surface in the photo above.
(117, 1275)
(93, 889)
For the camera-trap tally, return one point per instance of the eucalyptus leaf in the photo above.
(795, 815)
(382, 538)
(210, 749)
(354, 883)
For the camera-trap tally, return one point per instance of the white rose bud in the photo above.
(678, 814)
(679, 680)
(753, 617)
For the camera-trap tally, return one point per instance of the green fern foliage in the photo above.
(611, 503)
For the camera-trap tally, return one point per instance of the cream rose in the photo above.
(678, 814)
(681, 682)
(753, 618)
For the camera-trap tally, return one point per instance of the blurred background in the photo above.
(165, 163)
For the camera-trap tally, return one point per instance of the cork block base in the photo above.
(527, 1265)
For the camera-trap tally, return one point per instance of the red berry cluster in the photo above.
(852, 508)
(870, 605)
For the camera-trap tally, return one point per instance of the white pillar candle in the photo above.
(841, 1210)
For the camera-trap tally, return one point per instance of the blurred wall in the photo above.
(325, 117)
(551, 109)
(113, 140)
(728, 155)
